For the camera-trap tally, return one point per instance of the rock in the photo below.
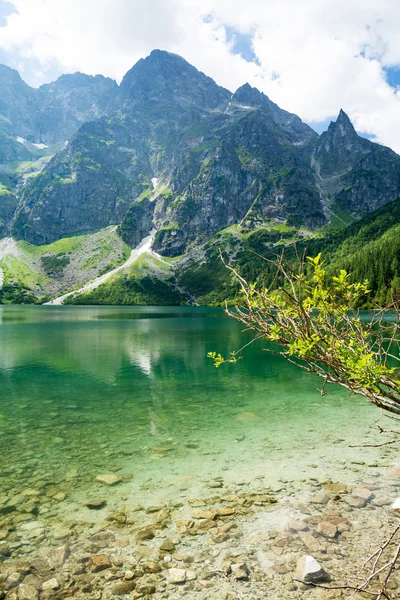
(5, 510)
(225, 512)
(326, 529)
(51, 584)
(381, 501)
(335, 488)
(117, 517)
(220, 536)
(144, 588)
(144, 534)
(355, 502)
(191, 575)
(203, 514)
(99, 562)
(72, 474)
(33, 580)
(95, 504)
(13, 580)
(154, 509)
(109, 479)
(58, 556)
(167, 546)
(176, 576)
(320, 499)
(151, 567)
(129, 575)
(27, 592)
(309, 541)
(215, 484)
(240, 571)
(60, 496)
(297, 525)
(309, 570)
(122, 587)
(362, 492)
(61, 533)
(283, 539)
(396, 505)
(31, 525)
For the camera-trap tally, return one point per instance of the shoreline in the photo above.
(232, 545)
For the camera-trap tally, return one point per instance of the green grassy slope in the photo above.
(41, 272)
(147, 281)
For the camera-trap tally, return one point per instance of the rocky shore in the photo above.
(235, 543)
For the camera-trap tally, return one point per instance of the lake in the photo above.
(209, 465)
(86, 391)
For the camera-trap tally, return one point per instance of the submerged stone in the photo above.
(109, 479)
(99, 562)
(176, 575)
(240, 571)
(95, 504)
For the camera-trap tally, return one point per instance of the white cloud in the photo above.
(315, 56)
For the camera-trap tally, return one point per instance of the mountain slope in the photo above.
(170, 149)
(368, 249)
(218, 159)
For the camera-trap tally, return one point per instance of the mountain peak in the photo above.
(342, 126)
(247, 96)
(163, 76)
(10, 75)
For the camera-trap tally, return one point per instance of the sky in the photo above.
(311, 57)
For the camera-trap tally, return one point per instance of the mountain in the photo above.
(168, 78)
(352, 172)
(171, 150)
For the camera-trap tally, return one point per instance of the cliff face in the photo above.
(171, 149)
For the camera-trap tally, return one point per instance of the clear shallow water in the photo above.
(85, 391)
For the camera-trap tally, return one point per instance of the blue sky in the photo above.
(309, 61)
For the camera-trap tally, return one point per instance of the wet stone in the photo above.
(99, 562)
(13, 580)
(109, 479)
(215, 484)
(122, 587)
(61, 533)
(326, 529)
(240, 571)
(320, 499)
(167, 546)
(27, 592)
(144, 534)
(33, 580)
(9, 508)
(58, 556)
(203, 514)
(362, 492)
(335, 488)
(51, 584)
(176, 576)
(155, 509)
(355, 502)
(95, 504)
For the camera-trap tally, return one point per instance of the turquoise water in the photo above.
(86, 391)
